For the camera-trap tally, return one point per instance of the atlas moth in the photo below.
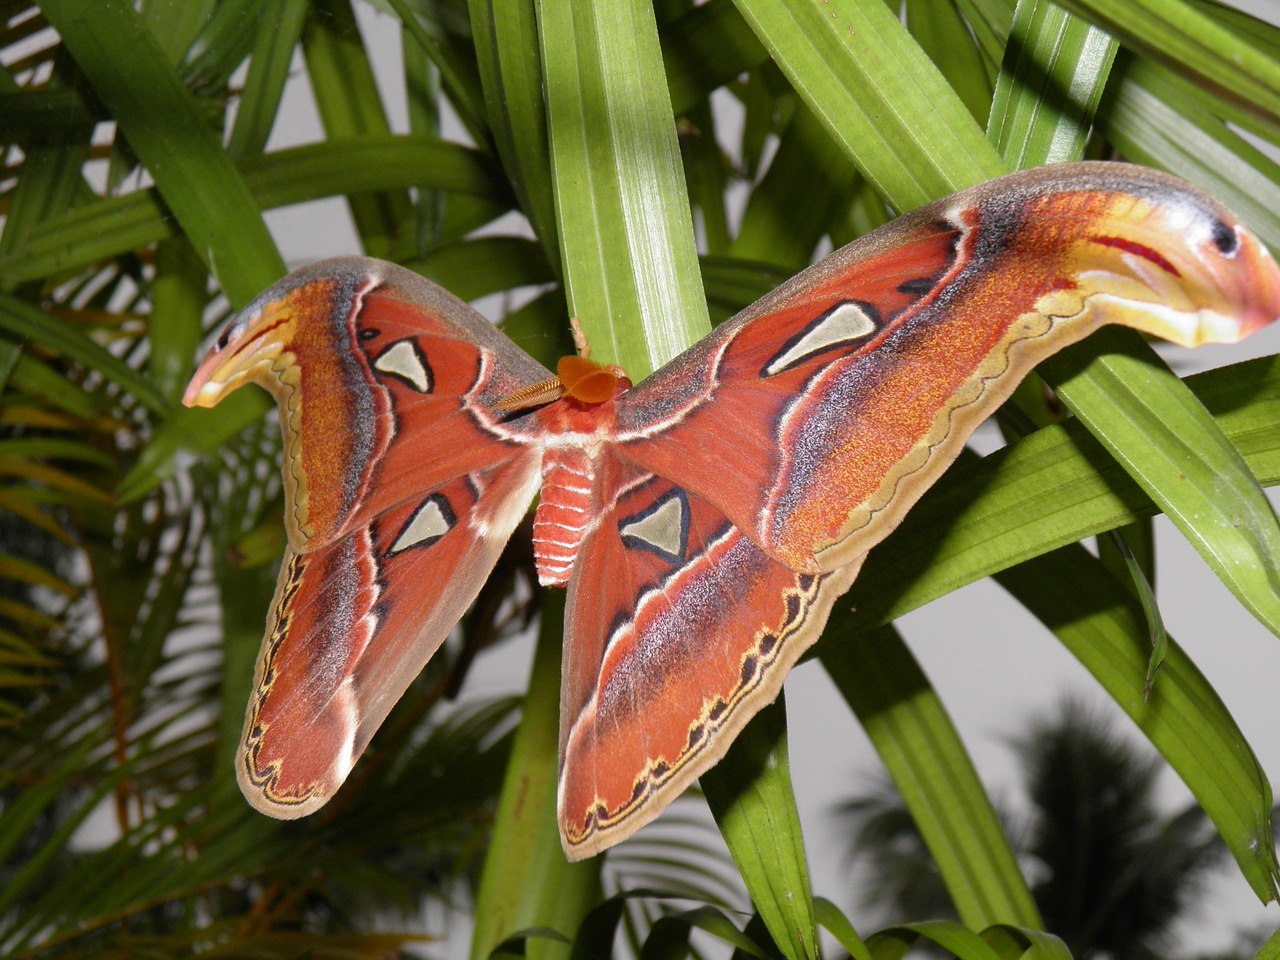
(703, 520)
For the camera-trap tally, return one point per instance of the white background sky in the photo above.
(992, 663)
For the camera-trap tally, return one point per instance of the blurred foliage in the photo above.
(1112, 874)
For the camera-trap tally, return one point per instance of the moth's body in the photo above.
(571, 458)
(704, 520)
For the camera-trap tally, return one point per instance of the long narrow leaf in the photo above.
(20, 318)
(507, 50)
(264, 84)
(1101, 622)
(791, 207)
(942, 33)
(114, 226)
(1049, 86)
(626, 233)
(1175, 450)
(750, 796)
(196, 177)
(187, 434)
(895, 116)
(838, 925)
(351, 108)
(910, 729)
(705, 49)
(1176, 33)
(526, 881)
(957, 940)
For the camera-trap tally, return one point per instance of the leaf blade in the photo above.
(200, 184)
(909, 727)
(626, 233)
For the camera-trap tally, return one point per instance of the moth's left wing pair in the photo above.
(755, 471)
(402, 486)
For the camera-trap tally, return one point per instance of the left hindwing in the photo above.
(355, 621)
(678, 629)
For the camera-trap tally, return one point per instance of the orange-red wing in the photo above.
(402, 485)
(678, 629)
(385, 384)
(838, 399)
(355, 621)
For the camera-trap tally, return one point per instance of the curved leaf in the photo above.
(21, 318)
(1153, 424)
(924, 754)
(129, 72)
(1102, 623)
(110, 227)
(1049, 489)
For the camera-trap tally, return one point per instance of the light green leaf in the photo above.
(1055, 70)
(878, 95)
(838, 925)
(626, 234)
(1180, 36)
(1152, 423)
(1102, 623)
(526, 881)
(910, 729)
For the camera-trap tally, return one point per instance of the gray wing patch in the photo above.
(661, 528)
(431, 521)
(844, 323)
(405, 361)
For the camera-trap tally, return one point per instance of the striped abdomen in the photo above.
(564, 511)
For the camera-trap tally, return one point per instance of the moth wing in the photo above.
(678, 630)
(402, 485)
(834, 402)
(355, 621)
